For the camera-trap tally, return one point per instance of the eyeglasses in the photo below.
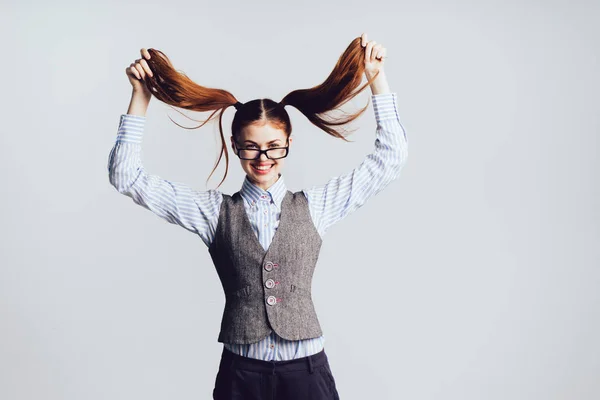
(273, 153)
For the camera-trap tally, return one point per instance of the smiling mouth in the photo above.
(263, 169)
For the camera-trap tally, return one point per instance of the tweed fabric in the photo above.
(240, 261)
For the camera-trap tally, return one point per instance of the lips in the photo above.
(262, 171)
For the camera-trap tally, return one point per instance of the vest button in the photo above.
(269, 266)
(270, 283)
(271, 300)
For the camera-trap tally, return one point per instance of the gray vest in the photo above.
(266, 290)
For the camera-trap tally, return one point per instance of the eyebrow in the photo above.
(272, 141)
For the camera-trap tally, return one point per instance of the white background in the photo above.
(473, 276)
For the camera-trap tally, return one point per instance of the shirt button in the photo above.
(271, 300)
(272, 345)
(270, 283)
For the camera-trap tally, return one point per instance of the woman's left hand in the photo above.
(374, 56)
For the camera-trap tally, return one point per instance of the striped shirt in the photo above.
(198, 211)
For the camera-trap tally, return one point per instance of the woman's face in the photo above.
(262, 137)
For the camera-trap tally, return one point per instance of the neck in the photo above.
(265, 185)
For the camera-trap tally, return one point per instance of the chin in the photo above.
(263, 178)
(268, 177)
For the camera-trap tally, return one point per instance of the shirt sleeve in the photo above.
(343, 194)
(175, 202)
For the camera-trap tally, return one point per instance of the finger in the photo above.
(376, 50)
(145, 53)
(380, 52)
(146, 67)
(383, 53)
(134, 71)
(129, 72)
(140, 70)
(363, 39)
(369, 50)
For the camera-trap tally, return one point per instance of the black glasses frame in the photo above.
(261, 152)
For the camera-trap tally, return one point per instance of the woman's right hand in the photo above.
(137, 71)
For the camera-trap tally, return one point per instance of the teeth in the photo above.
(263, 168)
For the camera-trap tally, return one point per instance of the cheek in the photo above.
(245, 165)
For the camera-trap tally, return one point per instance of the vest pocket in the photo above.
(299, 290)
(242, 292)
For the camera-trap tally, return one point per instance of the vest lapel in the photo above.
(283, 220)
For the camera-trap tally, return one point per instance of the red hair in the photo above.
(177, 89)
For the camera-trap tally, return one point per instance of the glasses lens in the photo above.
(271, 153)
(248, 154)
(276, 153)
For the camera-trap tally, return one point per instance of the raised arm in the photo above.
(343, 194)
(175, 202)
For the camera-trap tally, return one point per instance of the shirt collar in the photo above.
(253, 194)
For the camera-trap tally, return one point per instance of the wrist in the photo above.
(370, 75)
(138, 103)
(140, 94)
(380, 84)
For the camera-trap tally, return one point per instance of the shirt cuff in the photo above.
(131, 128)
(385, 106)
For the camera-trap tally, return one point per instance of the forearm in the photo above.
(138, 104)
(380, 84)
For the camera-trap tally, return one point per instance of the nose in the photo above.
(263, 159)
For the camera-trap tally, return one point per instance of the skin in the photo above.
(261, 132)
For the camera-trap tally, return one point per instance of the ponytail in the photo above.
(176, 89)
(335, 91)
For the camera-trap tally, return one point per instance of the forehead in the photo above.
(261, 134)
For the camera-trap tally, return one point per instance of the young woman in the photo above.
(264, 240)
